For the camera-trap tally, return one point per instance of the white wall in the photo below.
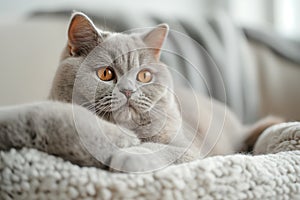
(287, 17)
(252, 12)
(281, 15)
(16, 9)
(29, 57)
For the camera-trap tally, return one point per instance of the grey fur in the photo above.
(153, 116)
(158, 128)
(51, 127)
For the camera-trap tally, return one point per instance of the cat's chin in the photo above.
(124, 113)
(127, 107)
(127, 116)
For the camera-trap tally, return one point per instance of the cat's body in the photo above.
(141, 124)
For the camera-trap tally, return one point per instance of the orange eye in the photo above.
(144, 76)
(106, 73)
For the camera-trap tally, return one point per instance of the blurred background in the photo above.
(280, 15)
(254, 43)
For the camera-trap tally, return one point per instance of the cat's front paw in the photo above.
(127, 141)
(135, 160)
(123, 138)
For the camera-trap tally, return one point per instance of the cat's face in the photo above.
(119, 76)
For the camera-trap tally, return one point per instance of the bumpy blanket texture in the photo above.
(31, 174)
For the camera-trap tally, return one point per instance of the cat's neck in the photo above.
(165, 124)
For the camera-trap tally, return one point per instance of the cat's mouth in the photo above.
(132, 107)
(125, 105)
(129, 104)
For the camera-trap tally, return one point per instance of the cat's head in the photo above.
(118, 75)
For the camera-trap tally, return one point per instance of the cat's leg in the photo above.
(149, 157)
(61, 129)
(253, 132)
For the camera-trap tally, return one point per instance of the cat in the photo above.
(113, 104)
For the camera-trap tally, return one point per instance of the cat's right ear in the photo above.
(82, 35)
(154, 39)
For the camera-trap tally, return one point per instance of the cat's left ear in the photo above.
(155, 38)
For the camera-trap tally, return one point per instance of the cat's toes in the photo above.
(134, 162)
(127, 142)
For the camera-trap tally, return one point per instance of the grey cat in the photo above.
(113, 104)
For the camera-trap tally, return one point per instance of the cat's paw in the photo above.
(124, 141)
(122, 137)
(135, 160)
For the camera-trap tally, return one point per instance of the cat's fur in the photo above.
(153, 128)
(50, 127)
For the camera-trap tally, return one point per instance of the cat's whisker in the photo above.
(102, 113)
(144, 98)
(116, 104)
(142, 107)
(84, 104)
(108, 105)
(104, 98)
(95, 107)
(88, 105)
(91, 106)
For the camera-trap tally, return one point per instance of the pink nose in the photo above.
(127, 93)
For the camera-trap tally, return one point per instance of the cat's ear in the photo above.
(155, 38)
(82, 35)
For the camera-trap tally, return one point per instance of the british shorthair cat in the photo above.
(113, 104)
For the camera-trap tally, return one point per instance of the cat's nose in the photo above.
(127, 93)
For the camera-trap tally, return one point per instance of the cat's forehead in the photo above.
(125, 51)
(121, 43)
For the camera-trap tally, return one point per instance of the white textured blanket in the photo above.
(30, 174)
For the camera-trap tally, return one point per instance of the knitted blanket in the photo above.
(31, 174)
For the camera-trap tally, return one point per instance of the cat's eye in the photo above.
(106, 73)
(144, 76)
